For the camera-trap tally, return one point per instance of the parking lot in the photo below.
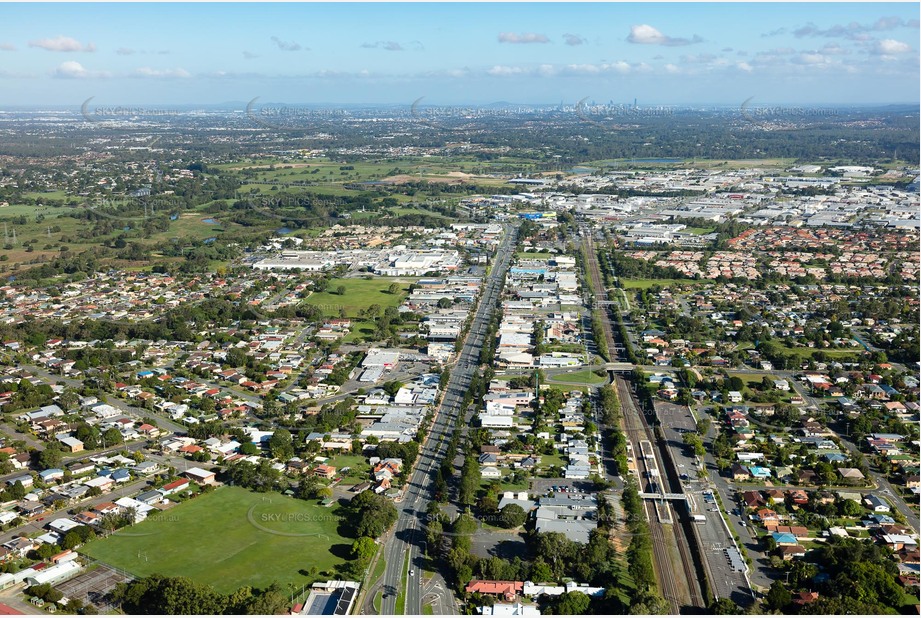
(540, 487)
(727, 576)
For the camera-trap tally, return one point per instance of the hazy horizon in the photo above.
(804, 54)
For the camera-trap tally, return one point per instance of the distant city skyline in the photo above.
(459, 54)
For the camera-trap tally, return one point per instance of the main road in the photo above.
(408, 539)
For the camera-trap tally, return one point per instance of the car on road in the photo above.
(412, 572)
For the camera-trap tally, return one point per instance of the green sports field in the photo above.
(229, 538)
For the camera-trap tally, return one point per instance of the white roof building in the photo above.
(510, 609)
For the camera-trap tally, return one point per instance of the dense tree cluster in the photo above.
(157, 594)
(370, 514)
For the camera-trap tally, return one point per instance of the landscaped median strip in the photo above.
(401, 594)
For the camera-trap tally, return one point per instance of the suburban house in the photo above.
(174, 487)
(200, 476)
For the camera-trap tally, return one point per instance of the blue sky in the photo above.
(659, 54)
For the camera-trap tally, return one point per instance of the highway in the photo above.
(408, 536)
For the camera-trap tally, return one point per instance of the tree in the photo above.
(340, 290)
(157, 594)
(724, 607)
(445, 303)
(512, 516)
(17, 491)
(248, 448)
(50, 458)
(393, 288)
(850, 508)
(309, 488)
(540, 571)
(778, 597)
(372, 514)
(46, 550)
(280, 445)
(363, 550)
(112, 436)
(703, 425)
(572, 603)
(74, 606)
(71, 540)
(556, 550)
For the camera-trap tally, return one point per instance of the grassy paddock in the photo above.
(645, 284)
(578, 377)
(359, 294)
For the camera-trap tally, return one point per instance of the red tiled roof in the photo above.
(495, 587)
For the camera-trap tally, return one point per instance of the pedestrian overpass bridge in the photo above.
(655, 496)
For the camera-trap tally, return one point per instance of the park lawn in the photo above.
(578, 377)
(805, 353)
(358, 332)
(505, 482)
(229, 538)
(527, 255)
(508, 485)
(31, 210)
(755, 378)
(359, 467)
(359, 294)
(46, 195)
(700, 231)
(645, 284)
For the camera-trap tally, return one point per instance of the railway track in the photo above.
(678, 585)
(670, 581)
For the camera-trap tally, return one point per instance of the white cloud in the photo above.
(249, 55)
(671, 68)
(619, 67)
(644, 34)
(855, 30)
(834, 49)
(7, 47)
(504, 71)
(744, 66)
(386, 45)
(286, 45)
(74, 70)
(573, 39)
(62, 44)
(165, 73)
(524, 37)
(891, 46)
(124, 51)
(807, 58)
(583, 69)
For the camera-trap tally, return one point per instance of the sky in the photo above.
(466, 53)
